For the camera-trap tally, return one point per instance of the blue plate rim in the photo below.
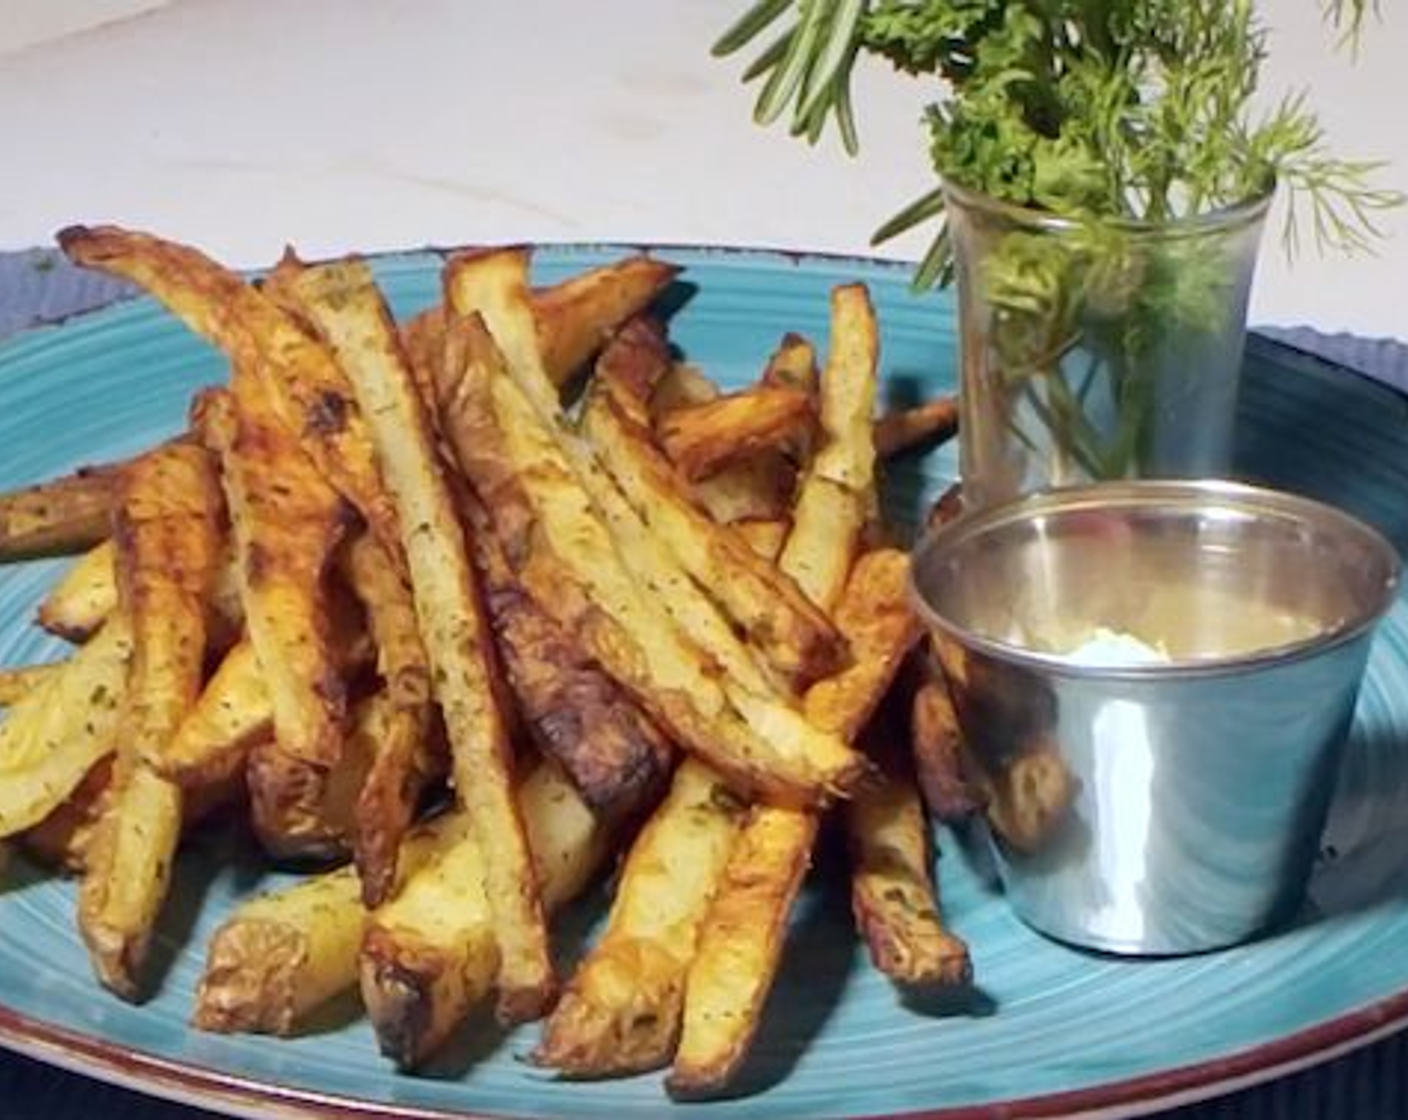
(187, 1082)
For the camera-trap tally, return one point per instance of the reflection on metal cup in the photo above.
(1173, 802)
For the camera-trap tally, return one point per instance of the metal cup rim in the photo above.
(1104, 495)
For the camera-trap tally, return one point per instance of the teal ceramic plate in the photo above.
(1047, 1030)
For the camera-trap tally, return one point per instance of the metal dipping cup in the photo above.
(1170, 799)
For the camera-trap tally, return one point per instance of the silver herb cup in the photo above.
(1154, 681)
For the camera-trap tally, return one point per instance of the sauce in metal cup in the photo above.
(1154, 681)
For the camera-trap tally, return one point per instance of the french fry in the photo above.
(620, 1012)
(400, 722)
(798, 641)
(749, 731)
(568, 561)
(167, 529)
(282, 955)
(68, 514)
(764, 536)
(430, 955)
(613, 753)
(423, 340)
(756, 489)
(775, 616)
(793, 366)
(893, 894)
(938, 754)
(702, 439)
(287, 522)
(308, 390)
(875, 615)
(837, 493)
(681, 386)
(19, 681)
(51, 738)
(574, 318)
(232, 712)
(739, 948)
(577, 317)
(924, 425)
(346, 307)
(86, 594)
(61, 839)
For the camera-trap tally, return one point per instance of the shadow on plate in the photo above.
(1363, 859)
(19, 872)
(209, 855)
(972, 1002)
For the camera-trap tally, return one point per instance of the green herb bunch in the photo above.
(1099, 340)
(1135, 109)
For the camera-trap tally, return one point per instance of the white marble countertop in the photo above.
(375, 124)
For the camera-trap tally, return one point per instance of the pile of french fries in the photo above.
(471, 606)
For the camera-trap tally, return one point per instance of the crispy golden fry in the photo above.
(574, 318)
(282, 955)
(668, 657)
(893, 894)
(430, 955)
(925, 425)
(704, 438)
(167, 526)
(631, 367)
(838, 491)
(287, 522)
(793, 366)
(938, 754)
(577, 317)
(875, 616)
(18, 682)
(55, 735)
(399, 763)
(741, 944)
(739, 948)
(681, 386)
(232, 713)
(68, 514)
(345, 305)
(570, 844)
(400, 730)
(794, 636)
(758, 489)
(423, 340)
(787, 629)
(61, 839)
(613, 753)
(86, 594)
(566, 558)
(309, 392)
(765, 537)
(620, 1013)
